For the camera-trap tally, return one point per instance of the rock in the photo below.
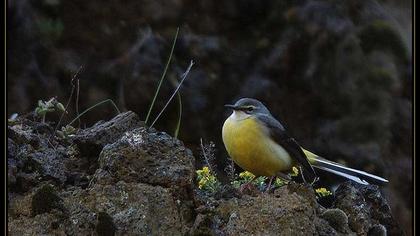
(291, 210)
(144, 185)
(11, 162)
(44, 200)
(91, 140)
(337, 219)
(34, 155)
(22, 133)
(122, 208)
(377, 230)
(202, 225)
(11, 148)
(19, 205)
(134, 208)
(43, 224)
(286, 212)
(105, 225)
(148, 157)
(365, 207)
(125, 208)
(115, 208)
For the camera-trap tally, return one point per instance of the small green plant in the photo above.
(207, 181)
(323, 192)
(49, 106)
(295, 171)
(260, 182)
(66, 132)
(278, 182)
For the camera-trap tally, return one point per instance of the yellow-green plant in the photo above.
(278, 182)
(295, 171)
(260, 182)
(323, 192)
(207, 181)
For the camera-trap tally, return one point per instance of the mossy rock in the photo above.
(337, 219)
(45, 199)
(105, 225)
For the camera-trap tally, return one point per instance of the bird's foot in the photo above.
(267, 190)
(316, 179)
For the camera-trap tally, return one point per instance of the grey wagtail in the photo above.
(258, 143)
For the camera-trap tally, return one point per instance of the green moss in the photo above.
(44, 200)
(337, 219)
(105, 225)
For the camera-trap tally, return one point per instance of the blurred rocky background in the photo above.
(338, 74)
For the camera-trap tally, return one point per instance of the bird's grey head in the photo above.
(249, 106)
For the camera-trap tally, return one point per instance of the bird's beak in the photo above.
(231, 106)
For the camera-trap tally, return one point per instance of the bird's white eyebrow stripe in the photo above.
(239, 115)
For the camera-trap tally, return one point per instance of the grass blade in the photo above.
(178, 124)
(90, 108)
(161, 78)
(183, 77)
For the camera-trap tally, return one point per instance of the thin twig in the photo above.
(162, 77)
(75, 76)
(77, 98)
(208, 154)
(204, 152)
(183, 77)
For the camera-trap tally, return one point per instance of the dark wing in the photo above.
(280, 136)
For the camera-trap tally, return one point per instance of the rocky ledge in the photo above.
(120, 178)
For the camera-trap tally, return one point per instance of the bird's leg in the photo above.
(301, 173)
(246, 185)
(314, 181)
(304, 180)
(269, 184)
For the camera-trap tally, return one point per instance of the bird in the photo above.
(257, 142)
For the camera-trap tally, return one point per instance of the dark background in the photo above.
(337, 73)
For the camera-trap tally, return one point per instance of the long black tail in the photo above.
(349, 173)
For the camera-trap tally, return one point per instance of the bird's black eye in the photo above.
(250, 108)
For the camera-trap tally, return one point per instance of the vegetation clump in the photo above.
(207, 181)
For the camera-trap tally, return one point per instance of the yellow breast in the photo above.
(249, 145)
